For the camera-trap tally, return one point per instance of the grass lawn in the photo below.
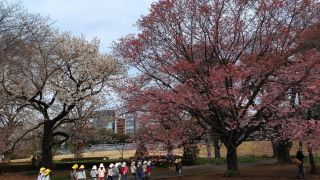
(248, 159)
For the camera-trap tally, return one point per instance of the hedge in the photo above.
(84, 159)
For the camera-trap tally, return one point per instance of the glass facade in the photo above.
(130, 123)
(104, 118)
(108, 120)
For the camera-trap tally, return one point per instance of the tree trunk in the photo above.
(208, 145)
(121, 149)
(283, 151)
(141, 150)
(77, 152)
(216, 147)
(209, 155)
(77, 148)
(47, 143)
(232, 160)
(121, 153)
(312, 163)
(7, 156)
(274, 149)
(169, 148)
(190, 153)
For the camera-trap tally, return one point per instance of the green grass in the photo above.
(90, 161)
(202, 161)
(316, 160)
(60, 178)
(231, 173)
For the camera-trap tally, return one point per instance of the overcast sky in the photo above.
(106, 19)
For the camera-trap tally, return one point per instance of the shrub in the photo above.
(16, 167)
(202, 161)
(84, 159)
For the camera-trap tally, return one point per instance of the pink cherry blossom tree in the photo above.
(234, 65)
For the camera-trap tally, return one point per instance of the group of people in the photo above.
(141, 170)
(117, 171)
(44, 174)
(78, 173)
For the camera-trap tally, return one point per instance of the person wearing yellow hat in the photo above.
(41, 172)
(81, 173)
(73, 172)
(46, 174)
(75, 166)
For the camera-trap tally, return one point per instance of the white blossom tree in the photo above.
(52, 72)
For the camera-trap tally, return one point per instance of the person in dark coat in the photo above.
(300, 157)
(139, 174)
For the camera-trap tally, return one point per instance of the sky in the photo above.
(108, 20)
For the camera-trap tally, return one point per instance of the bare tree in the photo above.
(52, 72)
(14, 118)
(80, 130)
(13, 23)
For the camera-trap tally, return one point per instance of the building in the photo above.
(131, 123)
(105, 119)
(120, 126)
(108, 120)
